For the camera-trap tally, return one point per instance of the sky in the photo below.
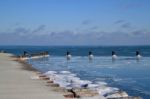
(75, 22)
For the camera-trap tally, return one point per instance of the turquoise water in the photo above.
(126, 73)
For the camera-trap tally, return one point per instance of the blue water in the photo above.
(126, 73)
(80, 50)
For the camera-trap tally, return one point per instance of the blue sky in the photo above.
(74, 22)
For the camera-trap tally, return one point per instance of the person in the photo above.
(90, 55)
(25, 53)
(114, 56)
(68, 55)
(138, 56)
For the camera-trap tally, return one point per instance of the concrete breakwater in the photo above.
(16, 82)
(55, 82)
(27, 55)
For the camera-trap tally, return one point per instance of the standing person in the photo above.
(68, 55)
(114, 56)
(138, 56)
(25, 53)
(91, 56)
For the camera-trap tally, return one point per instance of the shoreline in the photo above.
(16, 82)
(56, 87)
(27, 83)
(53, 88)
(57, 82)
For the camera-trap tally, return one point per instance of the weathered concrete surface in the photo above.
(16, 83)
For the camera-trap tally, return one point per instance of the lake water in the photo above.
(125, 73)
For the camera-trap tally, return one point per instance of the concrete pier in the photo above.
(16, 83)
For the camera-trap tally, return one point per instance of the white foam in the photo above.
(65, 72)
(93, 85)
(101, 83)
(67, 80)
(62, 83)
(25, 58)
(118, 95)
(73, 75)
(82, 82)
(40, 56)
(74, 79)
(50, 72)
(107, 90)
(52, 76)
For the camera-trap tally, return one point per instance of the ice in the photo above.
(65, 72)
(50, 72)
(100, 83)
(106, 90)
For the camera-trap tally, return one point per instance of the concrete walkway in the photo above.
(16, 83)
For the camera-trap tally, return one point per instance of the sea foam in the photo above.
(68, 80)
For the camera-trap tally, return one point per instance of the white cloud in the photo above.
(39, 36)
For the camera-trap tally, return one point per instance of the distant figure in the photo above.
(114, 56)
(68, 55)
(25, 53)
(90, 55)
(138, 56)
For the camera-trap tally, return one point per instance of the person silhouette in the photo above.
(138, 56)
(114, 56)
(91, 56)
(68, 55)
